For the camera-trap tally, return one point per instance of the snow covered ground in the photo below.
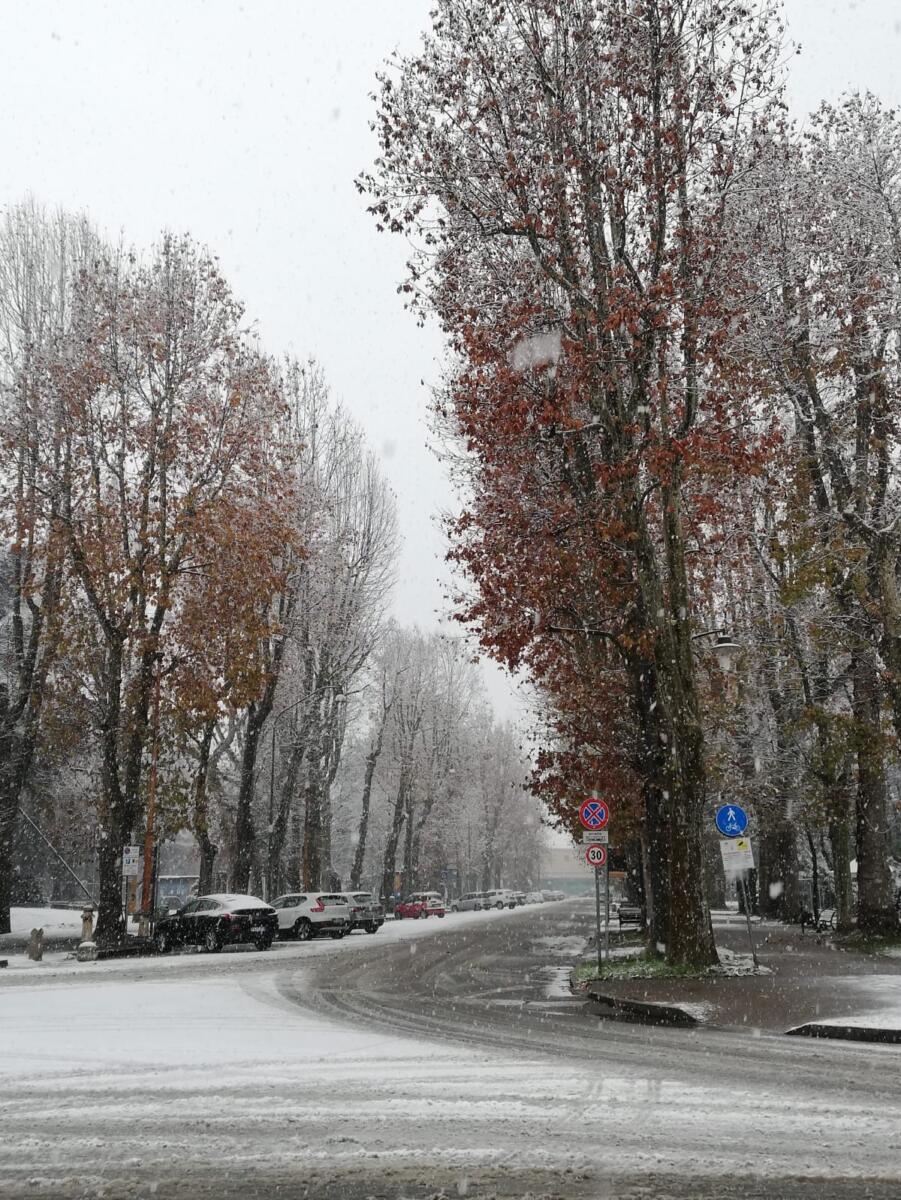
(51, 920)
(197, 1071)
(879, 997)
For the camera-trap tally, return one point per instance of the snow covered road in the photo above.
(405, 1064)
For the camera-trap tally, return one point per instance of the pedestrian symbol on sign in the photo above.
(731, 820)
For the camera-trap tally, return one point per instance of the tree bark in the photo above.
(245, 831)
(201, 811)
(409, 882)
(840, 841)
(779, 866)
(372, 758)
(876, 913)
(286, 802)
(397, 820)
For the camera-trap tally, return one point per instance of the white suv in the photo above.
(499, 898)
(306, 914)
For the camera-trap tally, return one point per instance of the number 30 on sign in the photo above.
(596, 856)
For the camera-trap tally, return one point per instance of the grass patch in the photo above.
(645, 965)
(868, 943)
(641, 965)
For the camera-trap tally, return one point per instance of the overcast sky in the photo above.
(245, 124)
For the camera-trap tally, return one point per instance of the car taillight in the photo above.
(226, 917)
(317, 907)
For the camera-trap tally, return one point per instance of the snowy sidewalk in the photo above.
(809, 982)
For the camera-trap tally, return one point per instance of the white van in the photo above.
(471, 902)
(499, 898)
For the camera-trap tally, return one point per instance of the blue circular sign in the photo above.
(731, 820)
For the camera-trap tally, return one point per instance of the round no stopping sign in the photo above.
(596, 856)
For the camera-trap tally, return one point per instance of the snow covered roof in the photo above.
(231, 898)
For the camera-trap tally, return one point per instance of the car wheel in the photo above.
(303, 929)
(439, 915)
(423, 915)
(337, 934)
(371, 928)
(161, 942)
(263, 943)
(211, 940)
(500, 904)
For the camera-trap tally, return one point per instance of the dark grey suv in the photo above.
(365, 911)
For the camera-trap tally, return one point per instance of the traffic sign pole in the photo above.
(597, 917)
(607, 910)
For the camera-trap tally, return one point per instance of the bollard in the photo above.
(87, 924)
(35, 948)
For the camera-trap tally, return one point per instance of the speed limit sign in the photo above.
(596, 856)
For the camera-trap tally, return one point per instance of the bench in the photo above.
(630, 914)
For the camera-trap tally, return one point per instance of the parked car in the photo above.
(470, 902)
(306, 915)
(500, 898)
(554, 895)
(365, 911)
(420, 904)
(520, 898)
(534, 897)
(214, 921)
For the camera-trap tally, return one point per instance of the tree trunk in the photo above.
(110, 917)
(293, 878)
(876, 913)
(8, 812)
(678, 781)
(780, 897)
(201, 812)
(312, 828)
(372, 758)
(655, 842)
(397, 820)
(279, 830)
(814, 875)
(245, 831)
(715, 874)
(15, 759)
(409, 881)
(840, 840)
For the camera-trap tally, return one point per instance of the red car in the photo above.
(420, 904)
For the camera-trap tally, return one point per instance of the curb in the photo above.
(642, 1012)
(14, 943)
(849, 1033)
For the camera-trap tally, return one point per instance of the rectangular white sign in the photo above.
(600, 837)
(738, 855)
(131, 860)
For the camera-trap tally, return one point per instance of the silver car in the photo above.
(470, 902)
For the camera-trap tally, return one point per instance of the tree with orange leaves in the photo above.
(567, 168)
(175, 508)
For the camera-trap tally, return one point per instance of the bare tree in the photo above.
(40, 256)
